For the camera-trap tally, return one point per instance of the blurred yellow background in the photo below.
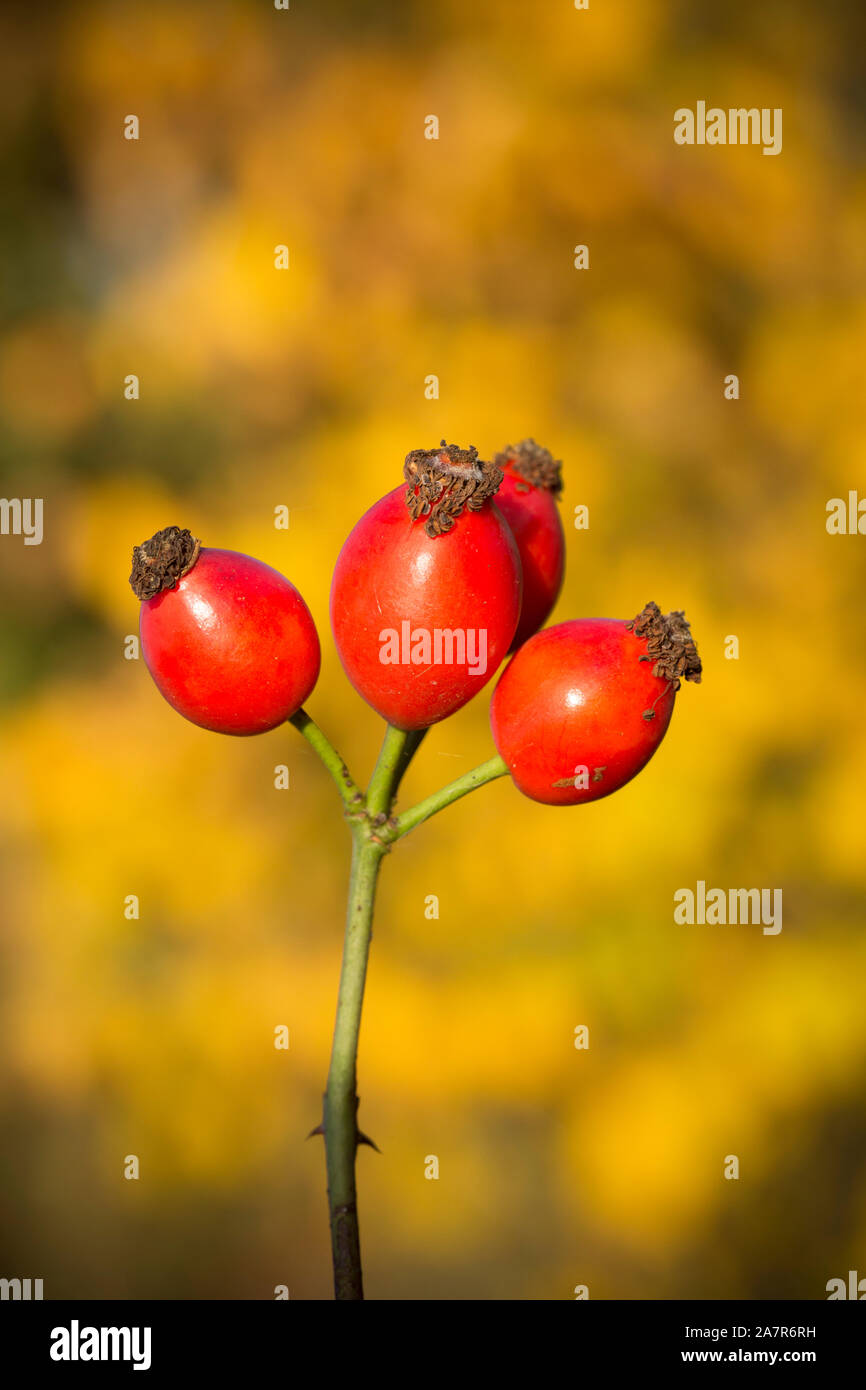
(412, 257)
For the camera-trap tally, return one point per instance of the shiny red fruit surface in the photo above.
(232, 647)
(405, 606)
(571, 713)
(532, 513)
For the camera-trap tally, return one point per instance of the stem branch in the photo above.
(413, 742)
(350, 793)
(380, 792)
(437, 801)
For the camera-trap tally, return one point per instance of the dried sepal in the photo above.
(534, 463)
(444, 482)
(670, 645)
(162, 561)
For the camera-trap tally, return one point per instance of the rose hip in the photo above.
(426, 590)
(582, 706)
(229, 642)
(528, 500)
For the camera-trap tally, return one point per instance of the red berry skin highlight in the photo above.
(391, 572)
(233, 646)
(579, 711)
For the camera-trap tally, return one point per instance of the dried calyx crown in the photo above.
(534, 463)
(444, 482)
(162, 561)
(670, 645)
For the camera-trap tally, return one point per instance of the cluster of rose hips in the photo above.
(463, 546)
(435, 586)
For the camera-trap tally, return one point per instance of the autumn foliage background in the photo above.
(305, 388)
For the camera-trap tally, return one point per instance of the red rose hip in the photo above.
(528, 499)
(229, 641)
(582, 706)
(426, 590)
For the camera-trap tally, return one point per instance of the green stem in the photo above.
(340, 1122)
(414, 739)
(437, 801)
(372, 835)
(380, 792)
(341, 1098)
(350, 794)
